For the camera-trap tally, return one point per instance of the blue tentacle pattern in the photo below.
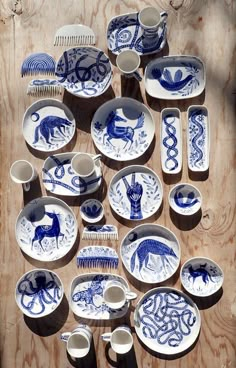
(170, 142)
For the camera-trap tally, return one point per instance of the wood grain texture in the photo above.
(202, 28)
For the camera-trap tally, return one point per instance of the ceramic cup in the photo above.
(22, 172)
(128, 62)
(78, 341)
(115, 294)
(83, 164)
(150, 20)
(121, 339)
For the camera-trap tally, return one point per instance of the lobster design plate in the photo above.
(167, 321)
(122, 129)
(46, 229)
(150, 253)
(175, 77)
(86, 296)
(135, 192)
(59, 178)
(48, 125)
(185, 199)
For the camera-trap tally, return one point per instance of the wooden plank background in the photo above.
(202, 28)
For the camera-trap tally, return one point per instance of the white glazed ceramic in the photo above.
(128, 62)
(23, 172)
(78, 341)
(92, 210)
(121, 339)
(115, 294)
(151, 20)
(84, 165)
(185, 199)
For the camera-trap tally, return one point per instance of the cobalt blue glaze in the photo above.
(134, 192)
(38, 63)
(197, 137)
(92, 211)
(172, 151)
(200, 272)
(182, 201)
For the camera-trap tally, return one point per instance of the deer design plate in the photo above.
(122, 129)
(46, 229)
(150, 253)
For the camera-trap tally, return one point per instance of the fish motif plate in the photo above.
(198, 138)
(86, 296)
(48, 125)
(175, 77)
(202, 277)
(125, 33)
(135, 192)
(185, 199)
(59, 178)
(167, 321)
(150, 253)
(123, 129)
(46, 229)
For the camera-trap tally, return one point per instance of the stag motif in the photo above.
(134, 194)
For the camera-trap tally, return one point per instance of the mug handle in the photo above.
(164, 16)
(97, 157)
(26, 187)
(106, 336)
(137, 76)
(130, 295)
(65, 336)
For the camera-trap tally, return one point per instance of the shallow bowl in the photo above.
(185, 199)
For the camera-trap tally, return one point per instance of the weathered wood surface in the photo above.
(202, 28)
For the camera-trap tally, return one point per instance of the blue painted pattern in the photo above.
(92, 211)
(170, 143)
(97, 256)
(38, 63)
(197, 139)
(200, 272)
(134, 192)
(184, 201)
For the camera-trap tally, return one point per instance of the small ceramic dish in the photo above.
(200, 276)
(39, 292)
(185, 199)
(92, 210)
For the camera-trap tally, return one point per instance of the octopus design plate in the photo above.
(48, 125)
(46, 229)
(185, 199)
(167, 321)
(123, 129)
(150, 253)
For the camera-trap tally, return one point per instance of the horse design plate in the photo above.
(167, 321)
(185, 199)
(84, 71)
(175, 77)
(122, 129)
(150, 253)
(48, 125)
(59, 178)
(135, 192)
(86, 296)
(46, 229)
(125, 33)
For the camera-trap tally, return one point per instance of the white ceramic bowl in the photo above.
(92, 210)
(185, 199)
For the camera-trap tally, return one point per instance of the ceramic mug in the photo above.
(150, 20)
(128, 62)
(83, 164)
(78, 341)
(115, 294)
(121, 339)
(22, 172)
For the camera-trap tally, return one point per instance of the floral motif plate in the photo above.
(48, 125)
(122, 129)
(185, 199)
(167, 321)
(59, 178)
(135, 192)
(46, 229)
(150, 253)
(175, 77)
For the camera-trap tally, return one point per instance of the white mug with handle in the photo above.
(23, 172)
(115, 294)
(83, 164)
(128, 62)
(150, 20)
(78, 341)
(121, 339)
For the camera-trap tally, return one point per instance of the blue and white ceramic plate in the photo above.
(91, 210)
(86, 296)
(84, 71)
(171, 141)
(150, 253)
(185, 199)
(59, 178)
(175, 77)
(167, 321)
(122, 129)
(135, 192)
(201, 276)
(46, 229)
(48, 125)
(198, 138)
(125, 33)
(39, 292)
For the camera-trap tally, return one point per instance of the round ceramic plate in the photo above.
(185, 199)
(122, 129)
(201, 276)
(84, 71)
(135, 192)
(39, 292)
(46, 229)
(150, 253)
(48, 125)
(167, 321)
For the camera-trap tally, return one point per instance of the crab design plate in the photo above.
(59, 178)
(167, 321)
(46, 229)
(185, 199)
(175, 77)
(122, 129)
(150, 253)
(135, 192)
